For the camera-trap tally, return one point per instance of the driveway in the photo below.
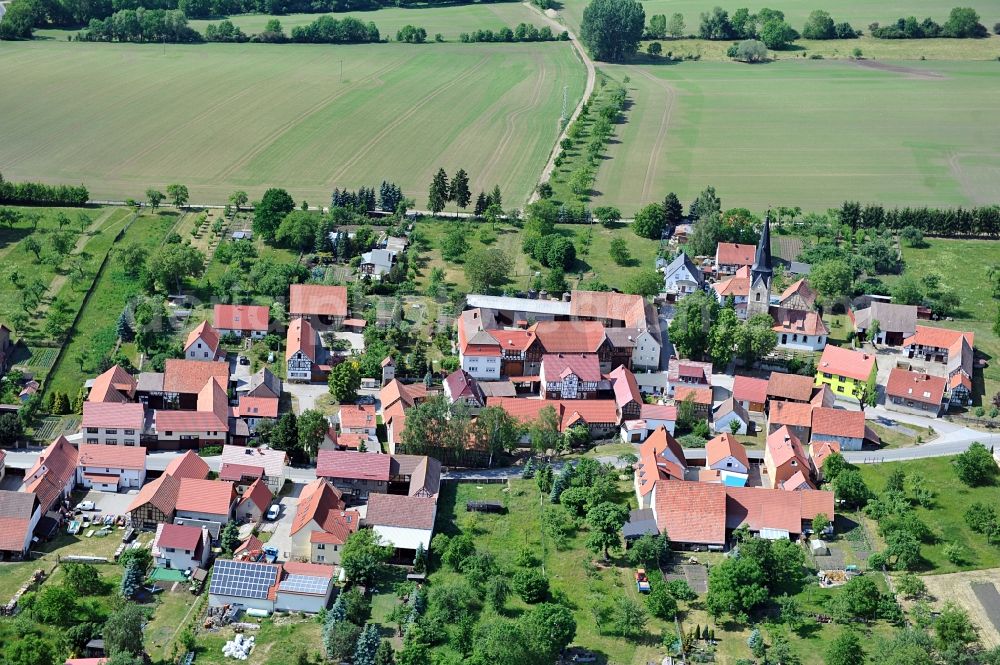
(281, 529)
(305, 394)
(108, 503)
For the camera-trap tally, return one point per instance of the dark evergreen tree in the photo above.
(125, 331)
(460, 193)
(439, 192)
(673, 211)
(481, 205)
(495, 199)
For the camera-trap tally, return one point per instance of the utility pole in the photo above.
(562, 117)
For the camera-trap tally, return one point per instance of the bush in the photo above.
(33, 193)
(531, 585)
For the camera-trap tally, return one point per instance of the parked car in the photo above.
(365, 399)
(86, 505)
(272, 512)
(243, 360)
(641, 581)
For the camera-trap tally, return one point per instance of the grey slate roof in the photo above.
(683, 260)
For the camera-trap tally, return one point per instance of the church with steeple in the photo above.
(761, 274)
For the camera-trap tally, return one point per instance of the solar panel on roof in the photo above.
(242, 579)
(304, 584)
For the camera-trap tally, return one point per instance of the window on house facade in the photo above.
(130, 432)
(111, 430)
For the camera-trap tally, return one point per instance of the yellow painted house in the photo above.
(847, 372)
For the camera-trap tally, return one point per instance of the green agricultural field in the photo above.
(595, 264)
(450, 22)
(946, 517)
(806, 133)
(962, 265)
(95, 333)
(220, 117)
(859, 13)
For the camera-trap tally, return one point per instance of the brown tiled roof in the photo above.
(838, 422)
(17, 505)
(699, 395)
(461, 385)
(731, 253)
(16, 509)
(237, 472)
(115, 385)
(749, 389)
(408, 394)
(891, 317)
(916, 386)
(190, 376)
(570, 336)
(317, 299)
(113, 414)
(658, 412)
(300, 337)
(691, 512)
(188, 465)
(795, 414)
(251, 544)
(627, 308)
(112, 457)
(54, 468)
(160, 493)
(272, 461)
(723, 446)
(801, 288)
(350, 464)
(798, 321)
(794, 387)
(207, 334)
(406, 512)
(247, 318)
(205, 496)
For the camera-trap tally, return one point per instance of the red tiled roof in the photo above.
(570, 336)
(838, 422)
(237, 472)
(408, 394)
(658, 412)
(749, 389)
(247, 318)
(785, 447)
(257, 407)
(115, 385)
(350, 464)
(273, 461)
(625, 386)
(320, 501)
(762, 508)
(797, 321)
(300, 337)
(357, 417)
(205, 496)
(794, 387)
(795, 414)
(113, 414)
(188, 465)
(513, 339)
(112, 457)
(251, 544)
(317, 299)
(460, 384)
(160, 493)
(942, 338)
(51, 472)
(188, 421)
(405, 512)
(559, 365)
(916, 386)
(178, 536)
(731, 253)
(258, 494)
(820, 450)
(699, 395)
(653, 465)
(734, 286)
(190, 376)
(846, 362)
(796, 481)
(350, 440)
(592, 411)
(691, 512)
(723, 446)
(102, 478)
(207, 334)
(308, 569)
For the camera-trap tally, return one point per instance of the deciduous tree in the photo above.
(611, 29)
(178, 194)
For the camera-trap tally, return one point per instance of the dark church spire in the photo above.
(762, 261)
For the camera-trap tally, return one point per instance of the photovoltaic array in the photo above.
(242, 579)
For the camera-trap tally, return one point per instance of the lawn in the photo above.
(169, 614)
(962, 265)
(449, 21)
(571, 573)
(221, 117)
(946, 517)
(752, 132)
(858, 13)
(893, 438)
(595, 264)
(95, 332)
(278, 642)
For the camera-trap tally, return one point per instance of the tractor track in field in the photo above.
(270, 138)
(510, 122)
(402, 118)
(661, 135)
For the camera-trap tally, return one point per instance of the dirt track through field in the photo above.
(661, 134)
